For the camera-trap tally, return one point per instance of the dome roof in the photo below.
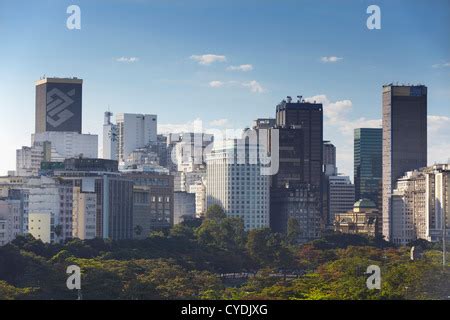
(364, 203)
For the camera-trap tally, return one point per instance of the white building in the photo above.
(10, 216)
(50, 198)
(28, 159)
(134, 131)
(183, 206)
(109, 138)
(406, 199)
(341, 196)
(187, 150)
(84, 214)
(199, 189)
(69, 144)
(236, 184)
(54, 146)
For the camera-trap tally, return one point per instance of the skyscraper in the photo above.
(340, 196)
(235, 182)
(59, 104)
(134, 131)
(296, 191)
(329, 154)
(301, 154)
(368, 144)
(404, 139)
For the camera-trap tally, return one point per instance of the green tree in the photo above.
(215, 212)
(293, 230)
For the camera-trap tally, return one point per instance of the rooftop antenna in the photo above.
(299, 98)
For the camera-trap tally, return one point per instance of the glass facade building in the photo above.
(368, 143)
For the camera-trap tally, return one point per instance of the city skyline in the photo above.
(179, 79)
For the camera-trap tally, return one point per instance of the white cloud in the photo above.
(441, 65)
(127, 59)
(331, 59)
(177, 127)
(208, 59)
(219, 123)
(216, 84)
(339, 126)
(436, 123)
(242, 67)
(254, 86)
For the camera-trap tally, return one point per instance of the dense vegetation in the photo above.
(189, 262)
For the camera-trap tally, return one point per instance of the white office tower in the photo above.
(109, 138)
(341, 196)
(134, 131)
(236, 184)
(69, 144)
(49, 209)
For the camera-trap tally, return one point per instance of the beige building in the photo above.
(421, 205)
(199, 188)
(363, 219)
(84, 214)
(40, 226)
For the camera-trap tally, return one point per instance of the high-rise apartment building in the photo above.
(84, 214)
(134, 131)
(421, 205)
(368, 144)
(59, 105)
(50, 209)
(404, 140)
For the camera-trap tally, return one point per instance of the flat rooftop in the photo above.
(73, 80)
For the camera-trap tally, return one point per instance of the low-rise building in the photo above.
(364, 219)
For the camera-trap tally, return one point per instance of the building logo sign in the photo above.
(58, 104)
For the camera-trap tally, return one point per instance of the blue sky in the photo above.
(277, 48)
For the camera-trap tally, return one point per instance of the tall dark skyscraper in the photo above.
(368, 144)
(59, 104)
(404, 139)
(296, 190)
(305, 154)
